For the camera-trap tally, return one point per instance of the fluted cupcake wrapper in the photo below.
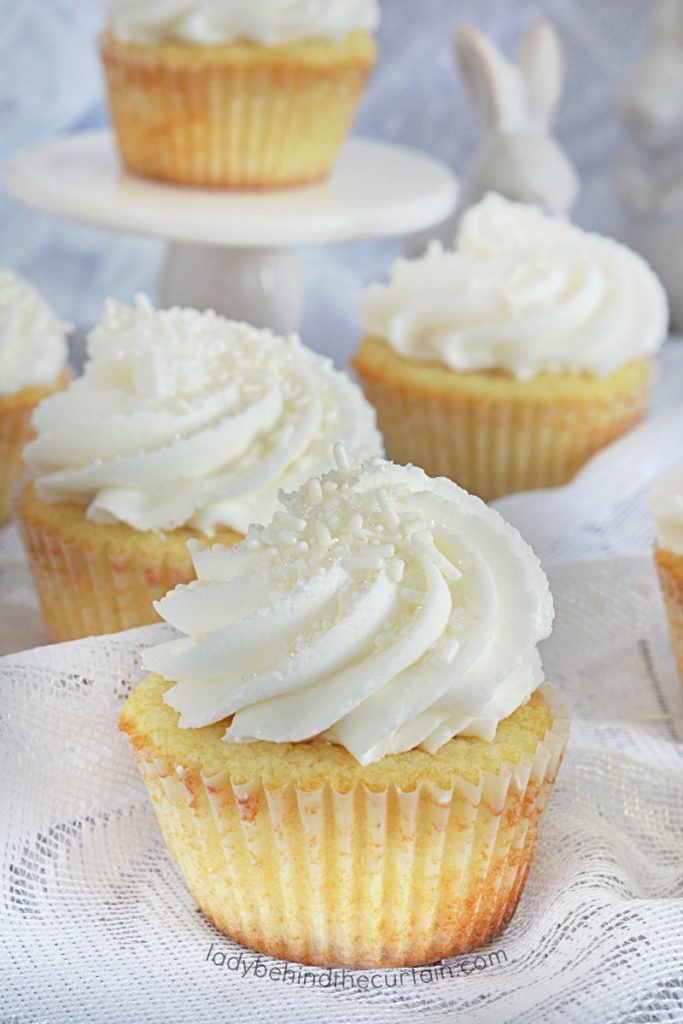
(93, 579)
(359, 878)
(15, 432)
(240, 124)
(495, 446)
(86, 591)
(670, 572)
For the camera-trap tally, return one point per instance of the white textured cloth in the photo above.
(98, 925)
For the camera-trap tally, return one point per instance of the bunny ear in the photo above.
(494, 85)
(539, 59)
(666, 21)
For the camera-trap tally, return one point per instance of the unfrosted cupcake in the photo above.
(666, 501)
(33, 357)
(183, 425)
(238, 93)
(350, 746)
(506, 363)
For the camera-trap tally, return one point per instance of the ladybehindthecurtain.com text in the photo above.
(295, 974)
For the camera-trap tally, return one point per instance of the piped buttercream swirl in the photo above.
(523, 293)
(220, 21)
(186, 418)
(33, 347)
(380, 609)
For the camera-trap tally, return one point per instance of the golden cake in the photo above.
(367, 787)
(184, 425)
(240, 95)
(666, 500)
(33, 358)
(508, 362)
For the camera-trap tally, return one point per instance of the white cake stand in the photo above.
(233, 251)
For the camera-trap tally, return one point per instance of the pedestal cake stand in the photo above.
(234, 251)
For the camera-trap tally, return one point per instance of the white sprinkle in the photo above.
(329, 487)
(252, 544)
(315, 491)
(342, 460)
(323, 535)
(395, 570)
(287, 519)
(355, 523)
(317, 555)
(386, 550)
(450, 650)
(412, 596)
(388, 508)
(352, 562)
(301, 545)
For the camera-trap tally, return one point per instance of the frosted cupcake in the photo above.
(666, 501)
(350, 746)
(238, 93)
(506, 363)
(184, 425)
(33, 357)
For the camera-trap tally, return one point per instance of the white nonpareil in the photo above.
(220, 21)
(522, 292)
(186, 418)
(33, 348)
(380, 608)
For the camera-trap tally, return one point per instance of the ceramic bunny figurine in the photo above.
(651, 102)
(649, 173)
(514, 102)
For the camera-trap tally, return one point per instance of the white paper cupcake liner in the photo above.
(362, 878)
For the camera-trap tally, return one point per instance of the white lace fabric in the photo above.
(98, 925)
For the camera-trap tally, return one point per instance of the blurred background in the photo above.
(51, 85)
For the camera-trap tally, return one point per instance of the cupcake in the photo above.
(666, 501)
(184, 425)
(349, 746)
(507, 363)
(33, 357)
(236, 93)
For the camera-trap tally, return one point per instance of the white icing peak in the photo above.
(33, 348)
(380, 608)
(220, 21)
(666, 501)
(523, 292)
(184, 417)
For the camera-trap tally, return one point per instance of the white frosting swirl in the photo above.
(186, 418)
(33, 348)
(380, 609)
(524, 293)
(220, 21)
(666, 501)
